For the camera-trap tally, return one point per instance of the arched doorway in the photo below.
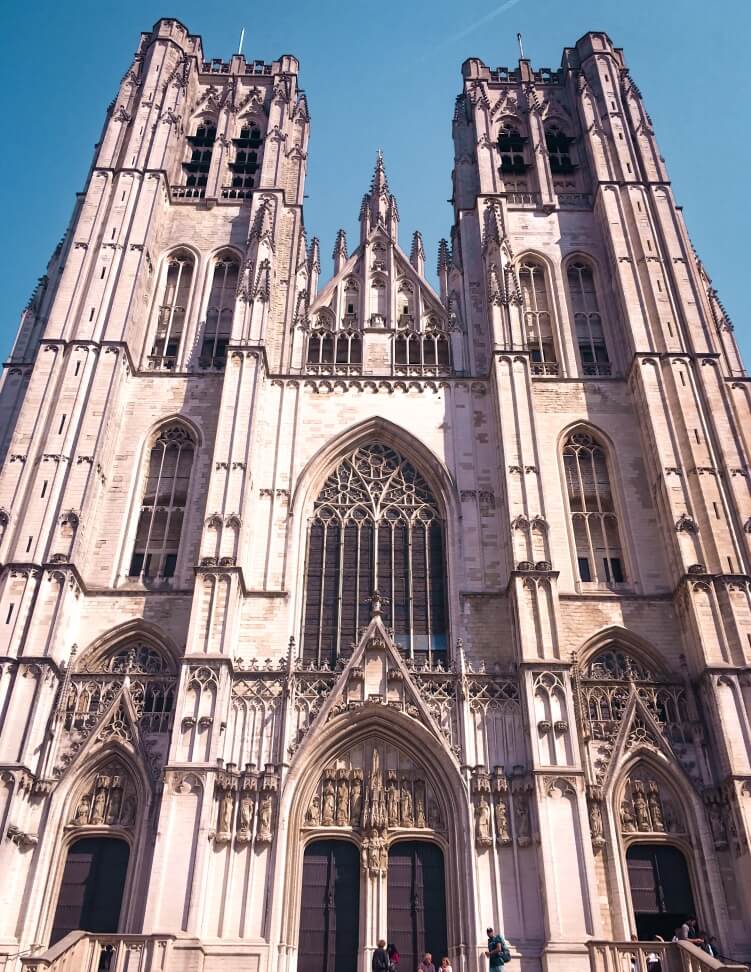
(417, 902)
(660, 889)
(91, 891)
(330, 907)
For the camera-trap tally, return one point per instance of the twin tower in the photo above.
(349, 609)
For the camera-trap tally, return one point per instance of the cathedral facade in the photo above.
(353, 609)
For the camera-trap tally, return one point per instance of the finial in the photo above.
(377, 601)
(444, 257)
(520, 42)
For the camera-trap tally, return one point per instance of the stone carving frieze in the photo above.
(502, 808)
(246, 806)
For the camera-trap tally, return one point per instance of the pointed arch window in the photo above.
(375, 526)
(537, 318)
(196, 168)
(332, 351)
(593, 517)
(422, 353)
(219, 312)
(607, 683)
(94, 684)
(165, 494)
(245, 163)
(590, 336)
(558, 145)
(511, 149)
(171, 311)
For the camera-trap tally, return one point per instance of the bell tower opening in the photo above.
(417, 902)
(91, 891)
(660, 889)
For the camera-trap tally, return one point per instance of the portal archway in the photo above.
(416, 902)
(330, 906)
(91, 891)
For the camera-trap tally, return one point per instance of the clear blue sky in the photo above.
(385, 75)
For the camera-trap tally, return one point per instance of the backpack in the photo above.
(505, 953)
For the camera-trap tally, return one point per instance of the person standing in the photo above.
(498, 952)
(393, 953)
(427, 963)
(445, 965)
(380, 961)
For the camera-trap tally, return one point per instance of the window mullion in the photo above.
(428, 613)
(410, 592)
(340, 580)
(323, 589)
(153, 506)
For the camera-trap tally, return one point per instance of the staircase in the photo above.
(673, 956)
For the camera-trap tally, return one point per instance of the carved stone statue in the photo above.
(420, 820)
(502, 832)
(82, 811)
(392, 801)
(246, 814)
(115, 803)
(482, 822)
(628, 824)
(97, 816)
(342, 800)
(655, 808)
(265, 811)
(128, 815)
(640, 807)
(375, 807)
(375, 853)
(355, 798)
(408, 819)
(521, 817)
(328, 807)
(595, 823)
(717, 825)
(434, 815)
(226, 806)
(313, 815)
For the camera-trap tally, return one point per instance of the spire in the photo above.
(314, 266)
(444, 262)
(417, 253)
(340, 251)
(378, 205)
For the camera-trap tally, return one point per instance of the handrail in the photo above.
(694, 959)
(82, 951)
(636, 956)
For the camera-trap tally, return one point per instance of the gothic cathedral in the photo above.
(347, 609)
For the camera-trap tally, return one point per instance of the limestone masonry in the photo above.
(348, 609)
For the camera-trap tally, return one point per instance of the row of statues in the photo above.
(243, 802)
(497, 811)
(109, 800)
(643, 809)
(386, 799)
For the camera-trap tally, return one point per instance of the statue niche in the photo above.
(648, 805)
(108, 798)
(374, 788)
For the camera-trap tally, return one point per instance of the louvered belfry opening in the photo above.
(375, 526)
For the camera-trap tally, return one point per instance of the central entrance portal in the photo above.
(330, 907)
(417, 902)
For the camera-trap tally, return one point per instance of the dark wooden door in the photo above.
(330, 907)
(91, 892)
(660, 889)
(417, 902)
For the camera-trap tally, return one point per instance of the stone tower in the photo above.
(360, 609)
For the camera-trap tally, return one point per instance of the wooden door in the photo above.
(660, 889)
(417, 902)
(329, 907)
(91, 892)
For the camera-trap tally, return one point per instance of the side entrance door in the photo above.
(91, 892)
(330, 907)
(660, 889)
(417, 902)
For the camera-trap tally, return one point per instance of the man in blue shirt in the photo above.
(495, 949)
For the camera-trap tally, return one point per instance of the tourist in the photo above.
(427, 963)
(653, 958)
(393, 954)
(497, 952)
(380, 961)
(445, 964)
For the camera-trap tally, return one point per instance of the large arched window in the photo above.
(537, 318)
(590, 335)
(375, 526)
(593, 516)
(163, 505)
(511, 150)
(245, 163)
(219, 312)
(171, 311)
(558, 145)
(196, 168)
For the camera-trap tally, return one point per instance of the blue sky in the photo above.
(377, 75)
